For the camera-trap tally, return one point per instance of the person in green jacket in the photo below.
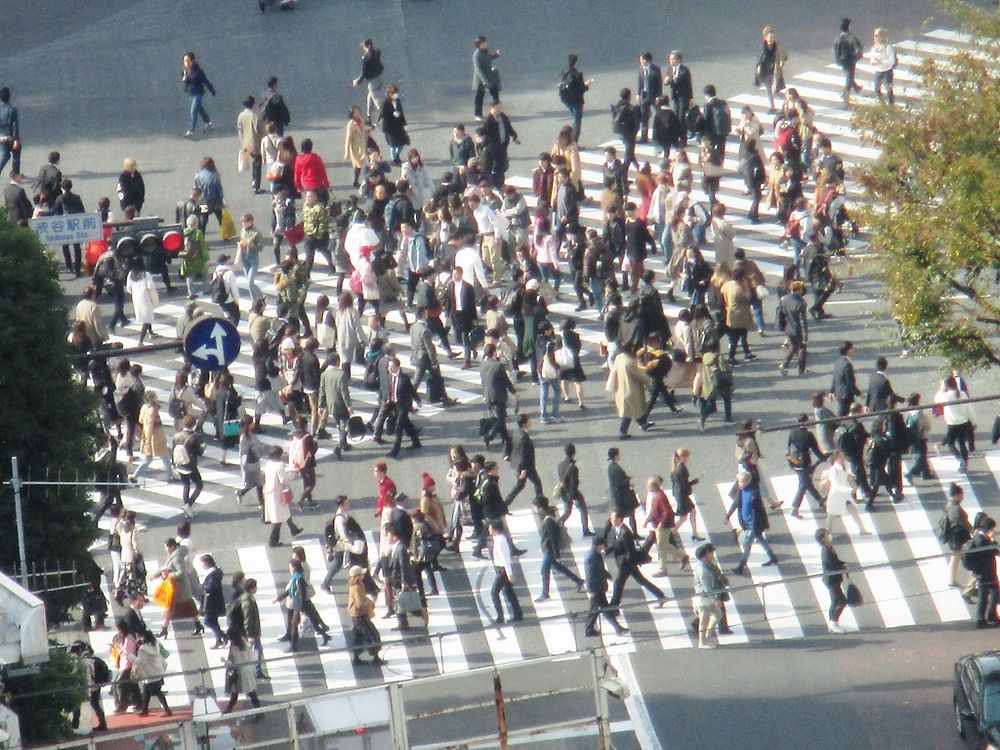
(713, 381)
(194, 257)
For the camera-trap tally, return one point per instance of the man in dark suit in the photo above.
(620, 488)
(844, 387)
(649, 89)
(523, 458)
(880, 394)
(621, 544)
(499, 133)
(18, 205)
(69, 202)
(572, 88)
(460, 305)
(596, 576)
(681, 86)
(134, 620)
(551, 542)
(801, 445)
(718, 120)
(626, 119)
(497, 385)
(402, 395)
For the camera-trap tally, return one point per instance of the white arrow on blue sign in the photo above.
(212, 343)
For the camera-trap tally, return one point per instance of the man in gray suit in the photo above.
(496, 385)
(335, 401)
(424, 360)
(844, 387)
(484, 75)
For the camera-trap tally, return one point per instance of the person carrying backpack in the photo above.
(97, 673)
(847, 51)
(572, 87)
(224, 291)
(625, 121)
(954, 530)
(980, 559)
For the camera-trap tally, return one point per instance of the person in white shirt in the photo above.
(224, 290)
(883, 59)
(503, 565)
(958, 418)
(490, 235)
(470, 261)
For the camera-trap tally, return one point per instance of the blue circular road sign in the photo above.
(212, 343)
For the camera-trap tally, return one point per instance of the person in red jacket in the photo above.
(310, 173)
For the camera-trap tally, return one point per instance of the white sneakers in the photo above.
(835, 628)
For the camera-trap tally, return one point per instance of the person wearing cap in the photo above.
(709, 581)
(793, 320)
(365, 635)
(485, 76)
(596, 575)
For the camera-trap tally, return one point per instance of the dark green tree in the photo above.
(46, 417)
(45, 700)
(935, 198)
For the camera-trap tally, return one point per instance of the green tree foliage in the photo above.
(44, 701)
(45, 416)
(935, 199)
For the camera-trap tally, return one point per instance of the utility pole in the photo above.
(15, 483)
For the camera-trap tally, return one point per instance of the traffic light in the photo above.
(145, 237)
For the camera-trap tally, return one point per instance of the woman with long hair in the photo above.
(682, 484)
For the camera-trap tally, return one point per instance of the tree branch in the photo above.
(965, 289)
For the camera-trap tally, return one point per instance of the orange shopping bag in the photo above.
(164, 595)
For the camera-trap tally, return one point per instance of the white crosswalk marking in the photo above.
(793, 607)
(773, 594)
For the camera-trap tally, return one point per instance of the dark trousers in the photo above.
(631, 570)
(957, 440)
(804, 475)
(437, 328)
(232, 312)
(192, 477)
(550, 563)
(75, 264)
(680, 108)
(645, 109)
(503, 583)
(599, 606)
(986, 610)
(849, 83)
(629, 157)
(203, 218)
(530, 475)
(659, 387)
(921, 467)
(255, 169)
(461, 334)
(405, 424)
(581, 505)
(151, 690)
(737, 336)
(118, 298)
(95, 703)
(481, 94)
(576, 110)
(7, 151)
(754, 213)
(499, 427)
(844, 406)
(796, 348)
(838, 601)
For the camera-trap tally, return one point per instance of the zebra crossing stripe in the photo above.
(770, 589)
(922, 542)
(557, 630)
(802, 531)
(445, 640)
(283, 672)
(336, 662)
(393, 644)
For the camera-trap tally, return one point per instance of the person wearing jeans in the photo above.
(753, 521)
(195, 83)
(551, 534)
(336, 539)
(250, 244)
(833, 577)
(548, 384)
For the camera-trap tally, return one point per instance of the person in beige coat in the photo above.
(739, 315)
(152, 439)
(88, 311)
(249, 132)
(566, 147)
(277, 496)
(723, 245)
(355, 142)
(628, 382)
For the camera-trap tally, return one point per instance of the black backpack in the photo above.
(102, 674)
(621, 121)
(219, 292)
(566, 88)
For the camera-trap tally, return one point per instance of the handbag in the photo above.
(164, 594)
(230, 428)
(854, 597)
(242, 161)
(275, 171)
(565, 358)
(287, 495)
(227, 227)
(356, 427)
(408, 602)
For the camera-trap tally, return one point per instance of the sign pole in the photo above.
(15, 483)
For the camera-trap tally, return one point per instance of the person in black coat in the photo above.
(394, 123)
(982, 563)
(625, 121)
(19, 208)
(131, 188)
(620, 492)
(597, 576)
(371, 74)
(572, 87)
(648, 90)
(213, 600)
(681, 87)
(499, 132)
(523, 459)
(833, 578)
(569, 489)
(403, 395)
(460, 305)
(880, 395)
(718, 120)
(496, 385)
(621, 544)
(667, 128)
(69, 202)
(801, 444)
